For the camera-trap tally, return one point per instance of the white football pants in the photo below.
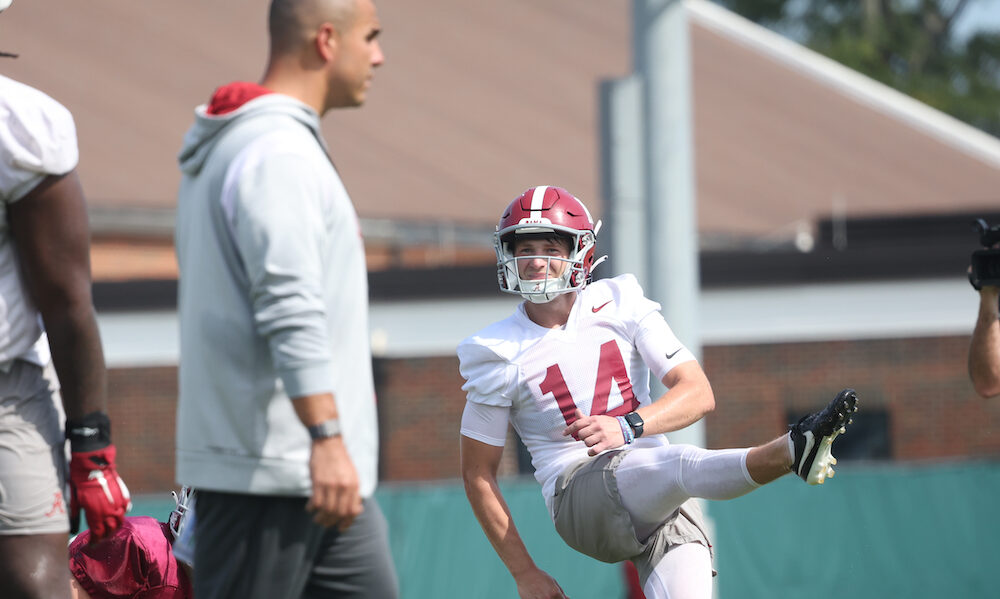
(653, 482)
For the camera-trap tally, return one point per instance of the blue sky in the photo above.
(979, 14)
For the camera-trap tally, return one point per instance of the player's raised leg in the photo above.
(653, 482)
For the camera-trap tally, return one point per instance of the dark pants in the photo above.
(267, 547)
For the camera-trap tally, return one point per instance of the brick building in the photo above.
(833, 212)
(917, 405)
(774, 349)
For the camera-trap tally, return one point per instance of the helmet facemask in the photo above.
(178, 517)
(575, 266)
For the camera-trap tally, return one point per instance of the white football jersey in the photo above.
(598, 363)
(37, 139)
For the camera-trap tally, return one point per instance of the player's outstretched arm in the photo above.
(480, 462)
(984, 350)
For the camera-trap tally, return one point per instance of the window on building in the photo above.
(867, 438)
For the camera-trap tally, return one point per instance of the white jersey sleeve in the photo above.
(659, 347)
(485, 423)
(37, 139)
(489, 379)
(490, 389)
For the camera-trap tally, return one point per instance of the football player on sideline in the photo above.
(50, 348)
(570, 370)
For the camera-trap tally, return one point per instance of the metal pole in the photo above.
(663, 63)
(624, 233)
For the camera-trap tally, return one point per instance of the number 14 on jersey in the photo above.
(610, 367)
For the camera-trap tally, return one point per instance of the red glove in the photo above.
(96, 487)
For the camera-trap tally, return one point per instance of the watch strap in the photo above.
(325, 430)
(635, 421)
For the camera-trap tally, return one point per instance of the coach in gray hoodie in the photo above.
(276, 419)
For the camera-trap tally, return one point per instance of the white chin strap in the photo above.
(4, 4)
(541, 291)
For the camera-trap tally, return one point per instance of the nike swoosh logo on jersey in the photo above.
(595, 309)
(673, 354)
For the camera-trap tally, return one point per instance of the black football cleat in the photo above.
(812, 438)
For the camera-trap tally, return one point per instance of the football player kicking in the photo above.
(570, 370)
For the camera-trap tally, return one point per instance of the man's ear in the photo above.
(327, 39)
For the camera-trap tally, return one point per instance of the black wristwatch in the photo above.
(325, 430)
(635, 421)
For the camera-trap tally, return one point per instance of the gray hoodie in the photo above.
(273, 301)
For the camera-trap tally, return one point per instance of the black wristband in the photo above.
(90, 433)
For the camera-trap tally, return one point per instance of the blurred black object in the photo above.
(986, 262)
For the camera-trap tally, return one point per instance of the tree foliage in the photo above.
(907, 44)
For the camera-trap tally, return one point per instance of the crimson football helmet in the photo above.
(546, 210)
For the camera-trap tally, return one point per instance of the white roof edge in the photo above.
(881, 97)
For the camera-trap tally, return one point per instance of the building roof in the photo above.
(784, 135)
(477, 101)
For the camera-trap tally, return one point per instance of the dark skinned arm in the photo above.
(52, 237)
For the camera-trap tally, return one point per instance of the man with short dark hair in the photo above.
(277, 426)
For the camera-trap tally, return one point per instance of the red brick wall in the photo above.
(921, 382)
(142, 404)
(420, 404)
(933, 411)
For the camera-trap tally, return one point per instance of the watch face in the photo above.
(635, 421)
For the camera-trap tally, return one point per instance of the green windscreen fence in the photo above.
(871, 532)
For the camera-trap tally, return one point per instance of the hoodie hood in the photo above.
(230, 97)
(237, 102)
